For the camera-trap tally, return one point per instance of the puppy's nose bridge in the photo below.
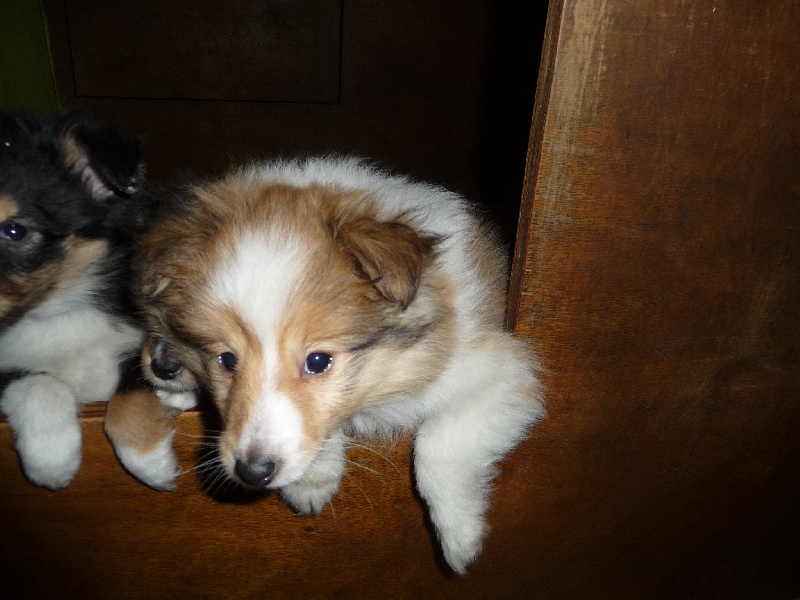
(257, 473)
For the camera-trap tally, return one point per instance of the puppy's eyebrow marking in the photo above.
(8, 208)
(402, 335)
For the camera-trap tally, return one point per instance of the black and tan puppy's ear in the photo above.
(390, 255)
(107, 163)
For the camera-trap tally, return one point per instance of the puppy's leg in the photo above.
(455, 453)
(138, 426)
(43, 414)
(321, 481)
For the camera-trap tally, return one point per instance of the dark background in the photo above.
(440, 90)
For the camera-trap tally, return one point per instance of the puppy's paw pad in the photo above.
(310, 497)
(179, 400)
(157, 468)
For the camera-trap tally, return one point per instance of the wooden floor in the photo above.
(106, 536)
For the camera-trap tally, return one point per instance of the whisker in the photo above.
(333, 512)
(366, 468)
(369, 449)
(364, 494)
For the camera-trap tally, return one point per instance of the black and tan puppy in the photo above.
(69, 199)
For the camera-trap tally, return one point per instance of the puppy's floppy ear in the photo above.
(389, 255)
(106, 162)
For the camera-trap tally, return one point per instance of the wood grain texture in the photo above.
(107, 536)
(661, 283)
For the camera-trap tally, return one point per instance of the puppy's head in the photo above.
(62, 181)
(306, 307)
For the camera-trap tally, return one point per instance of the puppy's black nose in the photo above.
(258, 473)
(163, 365)
(165, 369)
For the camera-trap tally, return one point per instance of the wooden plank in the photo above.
(108, 536)
(661, 283)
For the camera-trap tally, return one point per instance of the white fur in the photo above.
(259, 290)
(321, 480)
(182, 400)
(473, 414)
(74, 352)
(42, 412)
(157, 468)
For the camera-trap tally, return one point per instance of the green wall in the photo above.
(26, 76)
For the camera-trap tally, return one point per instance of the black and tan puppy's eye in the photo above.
(13, 232)
(227, 360)
(318, 363)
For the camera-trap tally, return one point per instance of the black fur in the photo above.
(37, 174)
(65, 181)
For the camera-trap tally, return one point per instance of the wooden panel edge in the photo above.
(541, 103)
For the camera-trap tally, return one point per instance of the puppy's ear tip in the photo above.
(389, 255)
(106, 162)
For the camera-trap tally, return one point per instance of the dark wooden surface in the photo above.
(270, 51)
(659, 277)
(440, 89)
(661, 281)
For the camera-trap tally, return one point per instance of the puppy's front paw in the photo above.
(156, 468)
(51, 457)
(42, 412)
(462, 541)
(180, 400)
(310, 495)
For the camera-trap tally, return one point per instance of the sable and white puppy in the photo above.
(322, 298)
(67, 198)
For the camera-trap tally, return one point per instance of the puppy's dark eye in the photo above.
(318, 363)
(13, 232)
(227, 361)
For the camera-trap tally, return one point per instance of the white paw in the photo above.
(51, 457)
(179, 400)
(461, 542)
(42, 412)
(157, 468)
(309, 496)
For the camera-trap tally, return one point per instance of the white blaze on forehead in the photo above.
(257, 280)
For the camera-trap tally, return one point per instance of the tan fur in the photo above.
(138, 419)
(32, 288)
(390, 255)
(366, 268)
(361, 312)
(8, 207)
(18, 292)
(80, 255)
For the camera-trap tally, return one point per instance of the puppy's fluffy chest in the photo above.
(72, 340)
